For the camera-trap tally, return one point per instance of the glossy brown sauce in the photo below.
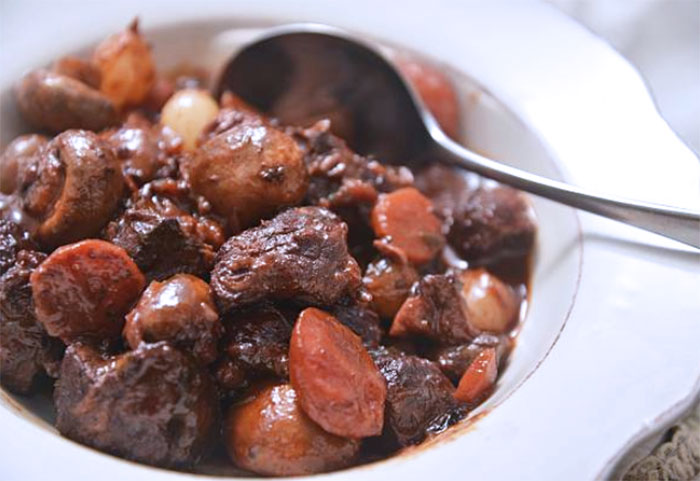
(513, 270)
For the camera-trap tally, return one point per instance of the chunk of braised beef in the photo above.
(346, 182)
(225, 120)
(487, 221)
(494, 223)
(435, 310)
(419, 397)
(361, 320)
(339, 176)
(12, 240)
(258, 339)
(300, 254)
(26, 351)
(154, 404)
(163, 234)
(255, 346)
(15, 159)
(454, 360)
(230, 377)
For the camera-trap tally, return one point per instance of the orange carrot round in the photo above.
(479, 378)
(405, 219)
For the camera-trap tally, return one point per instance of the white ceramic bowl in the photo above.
(608, 351)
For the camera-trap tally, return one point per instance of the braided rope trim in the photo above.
(675, 460)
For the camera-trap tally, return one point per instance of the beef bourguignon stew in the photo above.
(192, 280)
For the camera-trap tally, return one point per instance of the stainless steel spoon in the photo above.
(304, 71)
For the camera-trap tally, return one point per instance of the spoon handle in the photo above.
(682, 225)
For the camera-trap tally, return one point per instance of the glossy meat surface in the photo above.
(153, 404)
(495, 222)
(341, 177)
(454, 360)
(486, 221)
(419, 397)
(15, 158)
(361, 319)
(12, 240)
(25, 348)
(157, 223)
(256, 346)
(435, 310)
(301, 254)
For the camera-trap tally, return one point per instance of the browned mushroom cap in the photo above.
(57, 102)
(270, 434)
(71, 188)
(339, 386)
(16, 157)
(249, 171)
(180, 310)
(83, 290)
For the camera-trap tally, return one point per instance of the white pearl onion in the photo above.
(187, 112)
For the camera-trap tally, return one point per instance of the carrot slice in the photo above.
(83, 290)
(436, 90)
(479, 378)
(406, 220)
(338, 384)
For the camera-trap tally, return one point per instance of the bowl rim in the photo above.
(526, 102)
(469, 422)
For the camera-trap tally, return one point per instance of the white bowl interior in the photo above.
(489, 127)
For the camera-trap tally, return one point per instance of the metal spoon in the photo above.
(309, 71)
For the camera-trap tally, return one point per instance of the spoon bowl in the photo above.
(299, 73)
(306, 72)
